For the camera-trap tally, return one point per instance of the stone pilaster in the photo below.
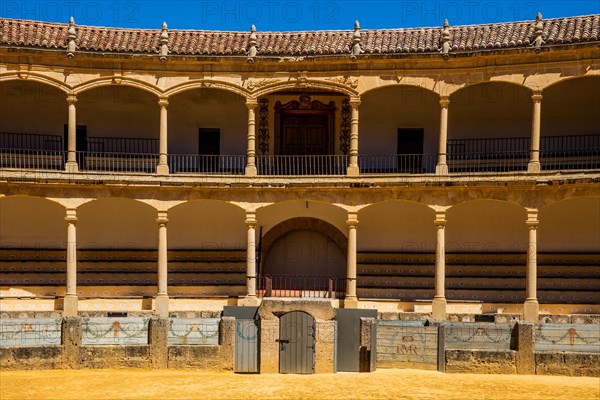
(353, 169)
(71, 342)
(525, 357)
(252, 104)
(442, 165)
(269, 346)
(163, 166)
(439, 300)
(534, 152)
(351, 300)
(70, 306)
(251, 299)
(71, 165)
(531, 308)
(159, 353)
(162, 297)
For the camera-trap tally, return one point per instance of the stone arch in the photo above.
(451, 88)
(308, 84)
(32, 222)
(122, 81)
(206, 84)
(568, 79)
(426, 88)
(36, 77)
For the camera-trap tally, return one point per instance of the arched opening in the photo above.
(207, 131)
(117, 129)
(489, 128)
(570, 124)
(569, 252)
(302, 132)
(207, 250)
(33, 235)
(27, 142)
(399, 130)
(486, 243)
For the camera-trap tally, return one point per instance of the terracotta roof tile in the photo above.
(24, 33)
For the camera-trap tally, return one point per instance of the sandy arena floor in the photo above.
(383, 384)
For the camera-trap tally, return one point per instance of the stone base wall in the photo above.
(569, 364)
(481, 361)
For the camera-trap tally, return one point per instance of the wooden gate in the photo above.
(297, 343)
(246, 346)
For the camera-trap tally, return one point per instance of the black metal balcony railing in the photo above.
(301, 286)
(570, 160)
(302, 165)
(32, 159)
(397, 163)
(117, 162)
(123, 145)
(487, 162)
(30, 141)
(207, 164)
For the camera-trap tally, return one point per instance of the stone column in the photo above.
(534, 153)
(351, 299)
(442, 165)
(163, 166)
(531, 308)
(251, 161)
(353, 169)
(438, 310)
(162, 297)
(71, 165)
(251, 299)
(70, 306)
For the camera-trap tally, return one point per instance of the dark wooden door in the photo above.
(410, 150)
(305, 135)
(297, 343)
(209, 149)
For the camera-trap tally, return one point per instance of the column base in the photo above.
(351, 302)
(70, 305)
(438, 308)
(71, 167)
(534, 167)
(162, 169)
(251, 301)
(251, 170)
(531, 310)
(353, 170)
(441, 169)
(161, 306)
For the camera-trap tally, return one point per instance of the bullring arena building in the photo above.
(441, 171)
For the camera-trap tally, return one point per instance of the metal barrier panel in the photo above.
(403, 345)
(478, 336)
(246, 346)
(568, 337)
(27, 332)
(193, 331)
(114, 331)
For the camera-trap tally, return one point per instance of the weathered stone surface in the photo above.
(158, 342)
(27, 358)
(571, 364)
(525, 359)
(71, 342)
(269, 347)
(101, 357)
(320, 309)
(325, 347)
(481, 361)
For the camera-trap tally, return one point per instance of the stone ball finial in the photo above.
(538, 41)
(356, 42)
(252, 43)
(72, 36)
(356, 25)
(446, 40)
(164, 42)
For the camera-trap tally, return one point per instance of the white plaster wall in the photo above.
(207, 225)
(491, 110)
(396, 226)
(482, 226)
(572, 108)
(119, 111)
(29, 107)
(207, 108)
(570, 226)
(383, 111)
(30, 222)
(272, 215)
(117, 223)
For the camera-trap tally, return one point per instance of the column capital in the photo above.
(440, 218)
(163, 218)
(352, 220)
(71, 215)
(251, 219)
(251, 103)
(444, 101)
(537, 96)
(532, 218)
(71, 99)
(354, 102)
(163, 102)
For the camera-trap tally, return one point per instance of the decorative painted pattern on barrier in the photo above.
(568, 337)
(478, 335)
(193, 331)
(406, 344)
(25, 332)
(114, 331)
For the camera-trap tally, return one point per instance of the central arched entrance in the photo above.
(304, 257)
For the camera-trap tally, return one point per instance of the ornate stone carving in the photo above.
(252, 50)
(345, 126)
(356, 40)
(539, 33)
(263, 125)
(344, 80)
(254, 84)
(446, 40)
(72, 32)
(305, 103)
(164, 42)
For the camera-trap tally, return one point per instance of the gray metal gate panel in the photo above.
(246, 346)
(296, 343)
(240, 312)
(348, 337)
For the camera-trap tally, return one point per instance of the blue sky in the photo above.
(290, 15)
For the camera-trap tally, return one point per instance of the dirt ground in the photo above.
(383, 384)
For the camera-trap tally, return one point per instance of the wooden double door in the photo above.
(304, 134)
